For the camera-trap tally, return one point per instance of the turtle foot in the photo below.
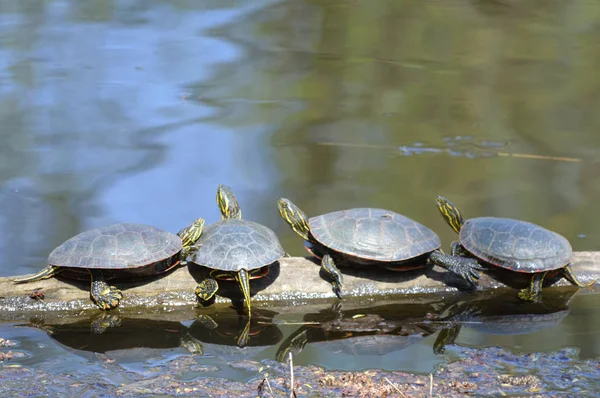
(528, 295)
(468, 269)
(206, 289)
(107, 298)
(337, 289)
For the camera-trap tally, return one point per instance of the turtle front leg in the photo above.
(329, 267)
(206, 289)
(185, 253)
(466, 268)
(570, 276)
(458, 250)
(243, 279)
(106, 297)
(534, 291)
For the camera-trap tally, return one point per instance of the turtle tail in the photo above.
(244, 280)
(46, 273)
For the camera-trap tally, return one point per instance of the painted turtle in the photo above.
(234, 249)
(117, 251)
(368, 236)
(513, 245)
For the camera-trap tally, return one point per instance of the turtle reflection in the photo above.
(503, 315)
(230, 327)
(110, 332)
(373, 331)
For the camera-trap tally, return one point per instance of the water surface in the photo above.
(124, 111)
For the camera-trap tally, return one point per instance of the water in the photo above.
(126, 111)
(389, 335)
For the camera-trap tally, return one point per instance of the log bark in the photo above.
(294, 279)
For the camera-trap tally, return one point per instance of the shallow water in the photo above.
(386, 335)
(121, 111)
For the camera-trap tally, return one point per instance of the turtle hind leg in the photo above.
(332, 271)
(46, 273)
(106, 297)
(570, 276)
(534, 291)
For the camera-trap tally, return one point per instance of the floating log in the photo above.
(293, 279)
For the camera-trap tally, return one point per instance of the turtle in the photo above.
(514, 245)
(234, 249)
(117, 251)
(370, 237)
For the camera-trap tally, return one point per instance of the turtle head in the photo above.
(294, 217)
(190, 234)
(450, 213)
(228, 204)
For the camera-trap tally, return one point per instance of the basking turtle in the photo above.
(513, 245)
(234, 249)
(373, 237)
(117, 251)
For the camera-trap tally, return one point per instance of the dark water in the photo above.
(135, 111)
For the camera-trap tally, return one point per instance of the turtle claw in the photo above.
(206, 289)
(468, 269)
(528, 295)
(337, 289)
(108, 298)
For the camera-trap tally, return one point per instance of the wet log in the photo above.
(293, 279)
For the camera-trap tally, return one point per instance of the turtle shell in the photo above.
(515, 245)
(116, 246)
(373, 234)
(231, 245)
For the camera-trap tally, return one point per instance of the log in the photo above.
(293, 279)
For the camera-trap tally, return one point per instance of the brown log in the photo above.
(294, 279)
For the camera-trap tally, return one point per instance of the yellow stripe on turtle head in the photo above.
(294, 217)
(190, 234)
(228, 204)
(450, 213)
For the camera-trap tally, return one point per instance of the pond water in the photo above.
(389, 334)
(135, 111)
